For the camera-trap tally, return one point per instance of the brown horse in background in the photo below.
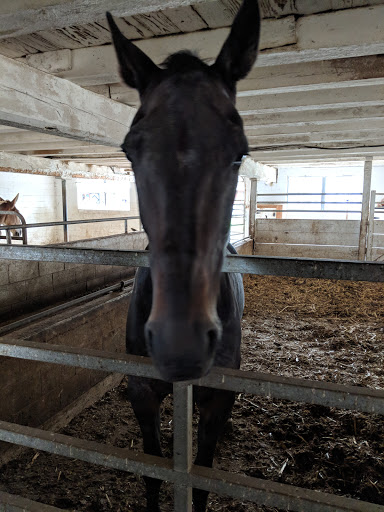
(10, 219)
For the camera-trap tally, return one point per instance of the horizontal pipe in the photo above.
(311, 194)
(13, 503)
(68, 222)
(269, 210)
(262, 384)
(259, 265)
(263, 492)
(312, 202)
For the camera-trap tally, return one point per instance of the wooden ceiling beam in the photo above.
(35, 100)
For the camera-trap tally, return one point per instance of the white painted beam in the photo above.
(294, 77)
(51, 14)
(366, 137)
(97, 65)
(47, 167)
(304, 127)
(331, 113)
(33, 99)
(312, 98)
(279, 155)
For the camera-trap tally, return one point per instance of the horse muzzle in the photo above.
(182, 350)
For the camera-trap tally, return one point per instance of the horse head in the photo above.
(183, 143)
(10, 220)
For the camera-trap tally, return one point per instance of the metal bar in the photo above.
(52, 311)
(274, 494)
(252, 209)
(65, 208)
(311, 194)
(182, 442)
(262, 384)
(263, 492)
(310, 202)
(13, 503)
(262, 210)
(70, 222)
(371, 220)
(365, 207)
(259, 265)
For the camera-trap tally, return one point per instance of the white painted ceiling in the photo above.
(316, 93)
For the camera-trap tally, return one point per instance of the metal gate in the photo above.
(180, 470)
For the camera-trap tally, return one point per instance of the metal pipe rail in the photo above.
(263, 384)
(68, 222)
(259, 265)
(15, 226)
(180, 471)
(239, 486)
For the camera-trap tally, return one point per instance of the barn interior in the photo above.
(313, 113)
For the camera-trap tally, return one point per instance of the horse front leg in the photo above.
(146, 406)
(215, 409)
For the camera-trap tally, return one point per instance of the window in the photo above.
(103, 195)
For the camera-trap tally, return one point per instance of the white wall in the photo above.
(40, 200)
(100, 229)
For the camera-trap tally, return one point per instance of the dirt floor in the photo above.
(315, 329)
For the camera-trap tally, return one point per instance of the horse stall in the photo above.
(79, 423)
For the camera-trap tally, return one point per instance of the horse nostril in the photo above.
(212, 337)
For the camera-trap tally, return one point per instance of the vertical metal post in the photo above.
(8, 235)
(365, 207)
(371, 221)
(65, 208)
(126, 226)
(23, 229)
(182, 442)
(252, 209)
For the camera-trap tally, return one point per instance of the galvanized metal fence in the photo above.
(180, 470)
(65, 223)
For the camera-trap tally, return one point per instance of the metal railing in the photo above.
(63, 223)
(371, 223)
(8, 229)
(322, 202)
(180, 470)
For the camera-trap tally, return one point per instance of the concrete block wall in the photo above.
(26, 286)
(37, 391)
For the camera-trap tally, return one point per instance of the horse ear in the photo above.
(14, 200)
(136, 68)
(239, 51)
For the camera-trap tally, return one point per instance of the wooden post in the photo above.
(371, 222)
(365, 207)
(252, 209)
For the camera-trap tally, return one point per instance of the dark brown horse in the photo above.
(183, 145)
(10, 219)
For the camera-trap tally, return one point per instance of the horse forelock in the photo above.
(182, 61)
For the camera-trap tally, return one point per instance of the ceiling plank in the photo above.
(359, 124)
(311, 115)
(14, 23)
(33, 99)
(98, 65)
(293, 154)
